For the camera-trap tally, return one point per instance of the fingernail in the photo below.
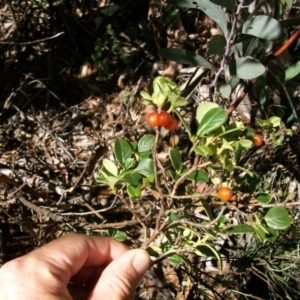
(141, 262)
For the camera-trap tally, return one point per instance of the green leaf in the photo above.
(275, 121)
(175, 259)
(110, 167)
(264, 27)
(134, 192)
(261, 232)
(202, 109)
(198, 176)
(246, 67)
(145, 167)
(209, 250)
(246, 144)
(175, 157)
(272, 235)
(225, 89)
(177, 101)
(146, 143)
(292, 71)
(240, 229)
(203, 150)
(184, 57)
(122, 151)
(162, 87)
(146, 96)
(207, 209)
(278, 218)
(109, 10)
(129, 163)
(120, 236)
(217, 45)
(264, 198)
(212, 120)
(133, 179)
(214, 11)
(230, 4)
(290, 22)
(173, 217)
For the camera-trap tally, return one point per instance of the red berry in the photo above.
(172, 125)
(257, 140)
(152, 119)
(164, 118)
(225, 193)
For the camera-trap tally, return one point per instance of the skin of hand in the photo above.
(75, 267)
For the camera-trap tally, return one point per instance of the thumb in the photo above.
(121, 277)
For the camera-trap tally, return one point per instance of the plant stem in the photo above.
(228, 45)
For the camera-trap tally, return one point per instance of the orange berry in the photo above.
(225, 194)
(257, 140)
(152, 119)
(172, 125)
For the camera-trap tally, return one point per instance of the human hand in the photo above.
(97, 267)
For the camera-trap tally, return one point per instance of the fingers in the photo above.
(119, 280)
(73, 252)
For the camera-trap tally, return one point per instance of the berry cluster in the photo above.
(162, 119)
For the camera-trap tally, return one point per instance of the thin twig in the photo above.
(33, 42)
(182, 178)
(119, 224)
(228, 45)
(40, 210)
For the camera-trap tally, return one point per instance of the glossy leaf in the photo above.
(145, 167)
(177, 101)
(198, 176)
(275, 121)
(246, 67)
(207, 209)
(246, 144)
(230, 4)
(203, 150)
(212, 10)
(134, 192)
(290, 22)
(110, 167)
(175, 157)
(212, 120)
(261, 232)
(202, 109)
(264, 198)
(173, 217)
(133, 179)
(278, 218)
(146, 96)
(184, 57)
(225, 89)
(122, 151)
(175, 259)
(209, 250)
(240, 229)
(146, 143)
(217, 45)
(120, 236)
(292, 71)
(264, 27)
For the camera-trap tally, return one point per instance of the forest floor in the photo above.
(70, 85)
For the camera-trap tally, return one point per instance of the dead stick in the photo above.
(41, 211)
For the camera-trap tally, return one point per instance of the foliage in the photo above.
(217, 146)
